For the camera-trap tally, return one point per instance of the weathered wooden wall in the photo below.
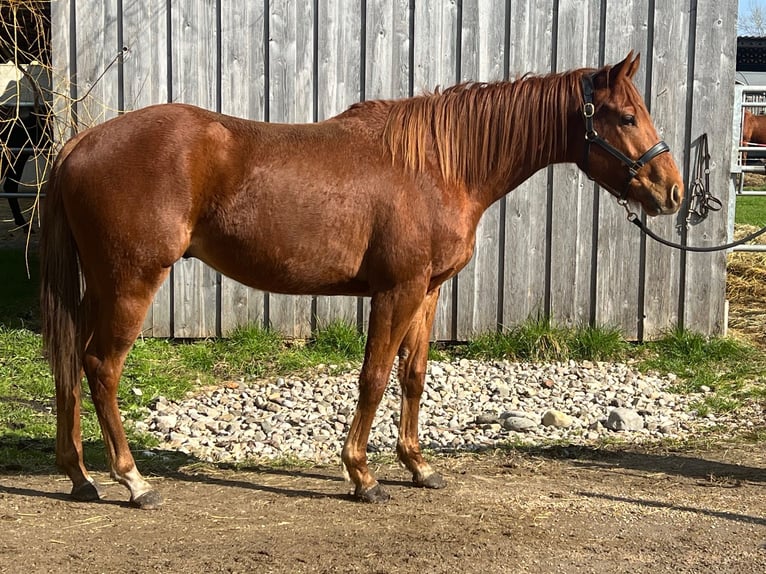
(557, 245)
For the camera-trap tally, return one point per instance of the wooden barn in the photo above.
(557, 246)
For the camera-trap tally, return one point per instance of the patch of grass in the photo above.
(437, 353)
(750, 210)
(539, 340)
(157, 367)
(535, 340)
(699, 360)
(251, 351)
(338, 342)
(597, 344)
(734, 371)
(255, 352)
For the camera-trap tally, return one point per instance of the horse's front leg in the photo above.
(390, 318)
(413, 357)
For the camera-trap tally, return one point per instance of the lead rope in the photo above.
(701, 203)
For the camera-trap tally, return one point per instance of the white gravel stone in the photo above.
(467, 405)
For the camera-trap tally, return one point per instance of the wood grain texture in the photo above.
(669, 93)
(618, 249)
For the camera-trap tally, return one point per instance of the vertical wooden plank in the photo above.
(194, 77)
(435, 64)
(291, 80)
(483, 35)
(388, 49)
(618, 250)
(146, 64)
(387, 64)
(339, 52)
(242, 94)
(96, 25)
(573, 193)
(146, 83)
(668, 108)
(60, 81)
(714, 70)
(531, 29)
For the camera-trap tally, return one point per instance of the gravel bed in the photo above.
(468, 405)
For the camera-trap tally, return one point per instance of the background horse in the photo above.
(23, 130)
(753, 132)
(381, 201)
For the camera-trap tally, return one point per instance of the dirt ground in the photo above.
(571, 510)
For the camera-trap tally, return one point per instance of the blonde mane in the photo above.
(475, 130)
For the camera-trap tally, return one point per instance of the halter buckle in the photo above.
(588, 109)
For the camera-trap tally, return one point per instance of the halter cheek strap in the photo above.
(592, 137)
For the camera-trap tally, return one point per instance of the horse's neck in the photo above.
(503, 182)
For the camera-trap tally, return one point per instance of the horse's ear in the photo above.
(628, 67)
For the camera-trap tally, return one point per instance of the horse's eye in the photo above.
(628, 120)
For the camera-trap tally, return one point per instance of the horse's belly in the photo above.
(309, 270)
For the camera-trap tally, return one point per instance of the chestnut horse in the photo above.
(381, 201)
(753, 131)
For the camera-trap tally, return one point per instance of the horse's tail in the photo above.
(60, 289)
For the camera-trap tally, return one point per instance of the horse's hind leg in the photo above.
(116, 325)
(413, 356)
(69, 455)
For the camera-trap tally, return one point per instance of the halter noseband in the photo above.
(592, 137)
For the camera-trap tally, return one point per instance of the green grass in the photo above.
(734, 371)
(751, 210)
(539, 340)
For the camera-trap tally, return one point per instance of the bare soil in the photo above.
(563, 510)
(571, 510)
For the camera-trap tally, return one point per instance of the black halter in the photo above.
(592, 137)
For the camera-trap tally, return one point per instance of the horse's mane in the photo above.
(476, 129)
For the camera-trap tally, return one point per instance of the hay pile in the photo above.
(746, 291)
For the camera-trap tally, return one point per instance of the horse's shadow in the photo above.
(165, 464)
(683, 464)
(188, 468)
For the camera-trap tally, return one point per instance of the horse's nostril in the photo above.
(675, 195)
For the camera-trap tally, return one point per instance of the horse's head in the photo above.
(622, 150)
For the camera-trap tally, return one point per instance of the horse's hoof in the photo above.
(87, 492)
(433, 480)
(150, 500)
(376, 494)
